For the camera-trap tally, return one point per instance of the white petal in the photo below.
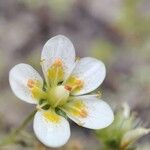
(18, 78)
(92, 72)
(58, 47)
(133, 135)
(99, 113)
(50, 133)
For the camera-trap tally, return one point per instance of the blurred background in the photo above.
(114, 31)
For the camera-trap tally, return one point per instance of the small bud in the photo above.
(133, 135)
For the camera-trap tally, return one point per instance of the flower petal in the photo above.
(133, 135)
(58, 48)
(52, 133)
(89, 112)
(19, 76)
(91, 71)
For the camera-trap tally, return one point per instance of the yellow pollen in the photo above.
(51, 116)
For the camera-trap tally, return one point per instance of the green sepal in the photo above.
(61, 113)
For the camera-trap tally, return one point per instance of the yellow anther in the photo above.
(56, 72)
(31, 83)
(36, 89)
(79, 82)
(58, 62)
(83, 113)
(69, 88)
(77, 108)
(74, 84)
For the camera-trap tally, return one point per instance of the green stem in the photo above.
(12, 136)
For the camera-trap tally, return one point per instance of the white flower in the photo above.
(63, 92)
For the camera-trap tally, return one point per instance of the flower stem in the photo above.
(12, 136)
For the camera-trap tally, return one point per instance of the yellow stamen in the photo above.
(83, 113)
(38, 93)
(56, 72)
(36, 89)
(76, 108)
(69, 88)
(31, 83)
(74, 84)
(58, 63)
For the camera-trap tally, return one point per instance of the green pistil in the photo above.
(58, 96)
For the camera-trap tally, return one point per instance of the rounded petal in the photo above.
(19, 76)
(90, 112)
(92, 72)
(51, 134)
(58, 47)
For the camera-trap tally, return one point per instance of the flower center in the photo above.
(58, 96)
